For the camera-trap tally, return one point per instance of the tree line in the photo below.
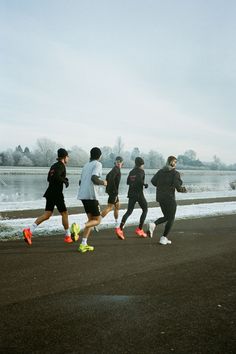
(45, 154)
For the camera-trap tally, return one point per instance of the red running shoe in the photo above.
(27, 236)
(68, 239)
(140, 232)
(119, 233)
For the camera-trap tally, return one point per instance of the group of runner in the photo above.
(166, 181)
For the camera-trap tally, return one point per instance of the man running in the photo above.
(88, 194)
(166, 181)
(54, 197)
(112, 189)
(136, 183)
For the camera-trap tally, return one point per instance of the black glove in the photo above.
(145, 185)
(66, 182)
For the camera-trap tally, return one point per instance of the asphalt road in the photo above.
(132, 296)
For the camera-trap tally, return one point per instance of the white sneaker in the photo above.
(150, 229)
(164, 241)
(96, 228)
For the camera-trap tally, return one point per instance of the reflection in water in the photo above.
(31, 186)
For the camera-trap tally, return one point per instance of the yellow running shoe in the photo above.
(74, 230)
(85, 248)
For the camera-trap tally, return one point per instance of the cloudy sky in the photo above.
(161, 74)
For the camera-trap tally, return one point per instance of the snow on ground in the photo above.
(11, 229)
(73, 202)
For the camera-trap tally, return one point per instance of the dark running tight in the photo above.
(131, 204)
(168, 208)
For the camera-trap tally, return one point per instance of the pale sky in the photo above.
(161, 74)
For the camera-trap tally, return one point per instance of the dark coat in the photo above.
(166, 182)
(135, 181)
(56, 178)
(113, 181)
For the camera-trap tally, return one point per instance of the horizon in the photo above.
(112, 148)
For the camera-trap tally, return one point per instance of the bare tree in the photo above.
(191, 154)
(119, 147)
(46, 152)
(78, 157)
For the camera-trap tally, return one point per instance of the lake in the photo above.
(24, 187)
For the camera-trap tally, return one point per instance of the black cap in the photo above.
(119, 159)
(61, 153)
(139, 161)
(95, 153)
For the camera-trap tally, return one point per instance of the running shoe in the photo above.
(164, 241)
(27, 236)
(151, 228)
(96, 228)
(119, 233)
(85, 248)
(68, 239)
(74, 230)
(140, 232)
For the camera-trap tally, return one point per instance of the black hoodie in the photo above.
(56, 178)
(135, 180)
(166, 181)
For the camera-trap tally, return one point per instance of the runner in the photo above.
(54, 197)
(88, 194)
(112, 189)
(136, 183)
(166, 181)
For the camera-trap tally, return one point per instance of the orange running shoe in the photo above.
(119, 233)
(68, 239)
(27, 236)
(140, 232)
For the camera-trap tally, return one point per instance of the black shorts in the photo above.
(59, 202)
(113, 199)
(91, 207)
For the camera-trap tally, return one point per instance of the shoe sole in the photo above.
(120, 237)
(84, 251)
(149, 234)
(27, 240)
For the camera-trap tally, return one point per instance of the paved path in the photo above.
(132, 296)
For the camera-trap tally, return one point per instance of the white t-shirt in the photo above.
(87, 189)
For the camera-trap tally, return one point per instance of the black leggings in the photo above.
(131, 204)
(168, 208)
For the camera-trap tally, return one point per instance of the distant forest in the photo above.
(45, 154)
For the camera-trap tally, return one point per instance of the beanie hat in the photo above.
(139, 161)
(119, 159)
(95, 153)
(170, 159)
(61, 153)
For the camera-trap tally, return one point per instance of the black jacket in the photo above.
(56, 178)
(135, 180)
(113, 181)
(166, 182)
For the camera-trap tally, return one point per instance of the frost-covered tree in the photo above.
(119, 146)
(135, 152)
(25, 161)
(191, 154)
(7, 158)
(46, 152)
(154, 160)
(78, 157)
